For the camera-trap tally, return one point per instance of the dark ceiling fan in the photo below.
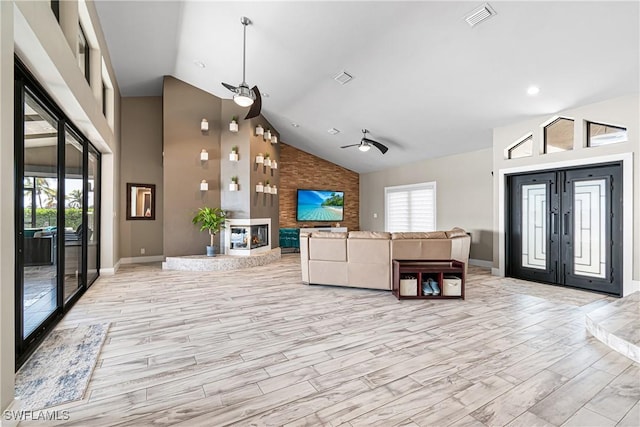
(243, 96)
(366, 143)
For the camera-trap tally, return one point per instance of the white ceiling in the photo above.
(426, 84)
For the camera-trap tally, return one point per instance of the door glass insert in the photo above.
(534, 226)
(73, 204)
(589, 228)
(39, 233)
(93, 190)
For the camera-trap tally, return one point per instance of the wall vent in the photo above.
(343, 77)
(479, 15)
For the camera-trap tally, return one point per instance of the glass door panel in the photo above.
(93, 199)
(73, 217)
(534, 226)
(39, 215)
(589, 236)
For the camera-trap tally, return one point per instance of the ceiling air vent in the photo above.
(343, 77)
(333, 131)
(480, 14)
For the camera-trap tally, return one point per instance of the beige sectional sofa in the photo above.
(362, 259)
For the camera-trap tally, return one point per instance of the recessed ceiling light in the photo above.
(295, 125)
(533, 90)
(333, 131)
(200, 64)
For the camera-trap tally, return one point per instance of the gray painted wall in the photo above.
(464, 195)
(184, 106)
(141, 163)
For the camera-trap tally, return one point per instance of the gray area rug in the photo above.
(61, 367)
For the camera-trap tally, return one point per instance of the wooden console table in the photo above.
(421, 271)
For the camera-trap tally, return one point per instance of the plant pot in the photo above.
(233, 187)
(211, 251)
(233, 157)
(233, 127)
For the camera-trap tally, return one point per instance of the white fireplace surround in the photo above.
(229, 223)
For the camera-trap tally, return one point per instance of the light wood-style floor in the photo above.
(256, 347)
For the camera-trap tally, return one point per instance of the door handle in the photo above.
(565, 225)
(554, 224)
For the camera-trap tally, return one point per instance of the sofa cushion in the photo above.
(369, 235)
(419, 235)
(456, 232)
(328, 249)
(368, 251)
(372, 276)
(328, 273)
(329, 235)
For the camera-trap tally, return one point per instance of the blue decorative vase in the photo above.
(211, 251)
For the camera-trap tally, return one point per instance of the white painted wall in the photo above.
(463, 195)
(623, 111)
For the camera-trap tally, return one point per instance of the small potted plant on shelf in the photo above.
(234, 184)
(267, 160)
(267, 187)
(267, 135)
(233, 156)
(211, 220)
(260, 158)
(233, 126)
(274, 189)
(259, 187)
(259, 130)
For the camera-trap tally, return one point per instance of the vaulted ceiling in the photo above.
(425, 83)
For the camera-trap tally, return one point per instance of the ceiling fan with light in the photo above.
(243, 96)
(366, 143)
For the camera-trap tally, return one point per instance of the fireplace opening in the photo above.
(249, 236)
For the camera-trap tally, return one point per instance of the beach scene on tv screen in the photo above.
(320, 205)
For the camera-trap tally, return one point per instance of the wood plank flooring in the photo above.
(256, 347)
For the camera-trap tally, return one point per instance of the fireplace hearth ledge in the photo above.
(220, 262)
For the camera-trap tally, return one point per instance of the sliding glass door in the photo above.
(57, 210)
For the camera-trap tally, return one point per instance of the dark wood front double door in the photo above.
(565, 227)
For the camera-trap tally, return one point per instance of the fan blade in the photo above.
(376, 144)
(352, 145)
(254, 111)
(231, 88)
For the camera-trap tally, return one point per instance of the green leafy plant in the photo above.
(234, 179)
(234, 149)
(234, 119)
(266, 155)
(211, 220)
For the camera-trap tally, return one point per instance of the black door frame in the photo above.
(560, 224)
(25, 82)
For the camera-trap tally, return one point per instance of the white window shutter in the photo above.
(410, 207)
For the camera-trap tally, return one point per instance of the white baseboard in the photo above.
(495, 272)
(480, 263)
(635, 287)
(110, 271)
(7, 419)
(141, 259)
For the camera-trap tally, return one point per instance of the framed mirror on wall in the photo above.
(141, 201)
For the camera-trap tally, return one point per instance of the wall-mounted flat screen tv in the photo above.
(320, 205)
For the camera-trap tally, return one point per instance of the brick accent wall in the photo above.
(299, 169)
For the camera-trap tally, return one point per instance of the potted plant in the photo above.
(259, 130)
(267, 160)
(233, 156)
(233, 126)
(234, 184)
(267, 187)
(267, 135)
(259, 187)
(211, 220)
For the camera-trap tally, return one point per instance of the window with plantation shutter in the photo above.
(410, 207)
